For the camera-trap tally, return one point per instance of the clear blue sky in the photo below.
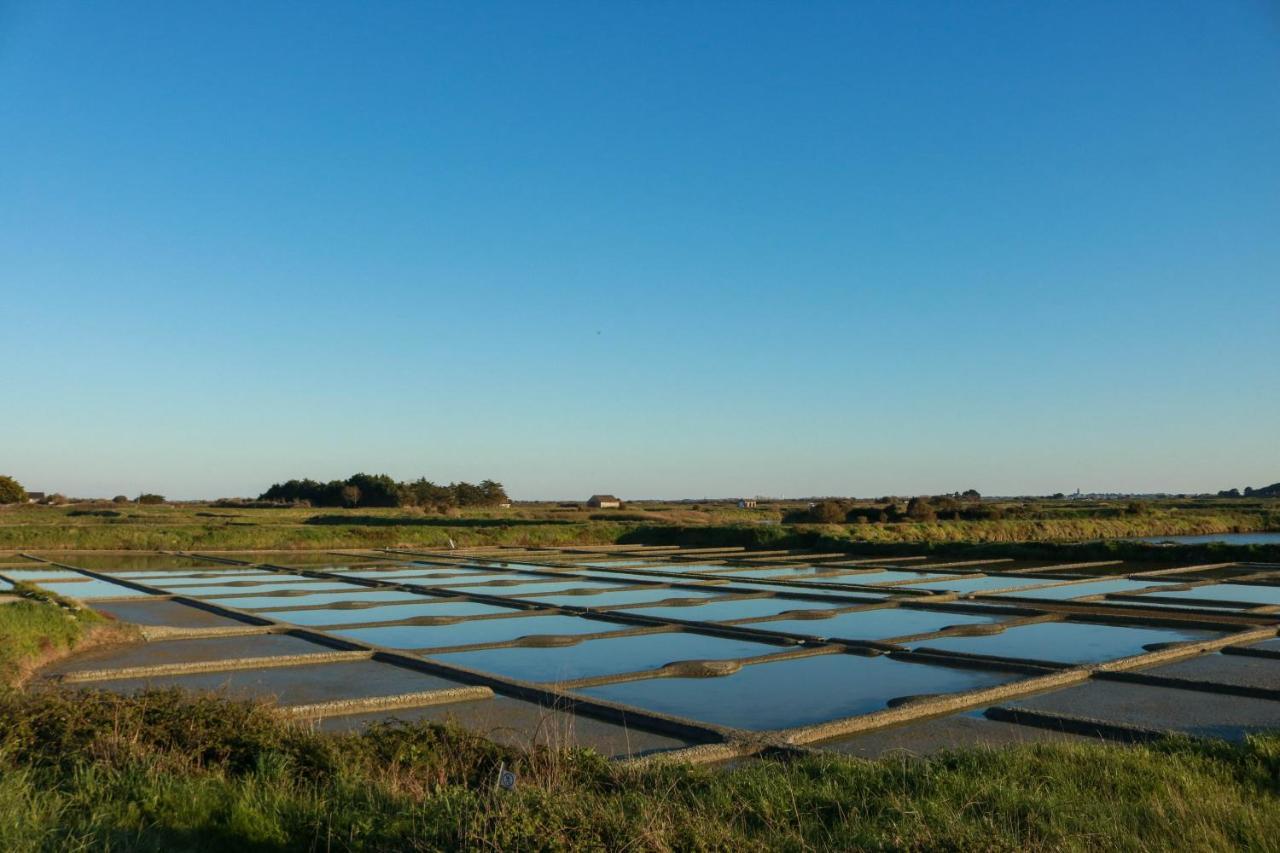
(658, 249)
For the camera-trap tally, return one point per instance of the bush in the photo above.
(11, 491)
(149, 498)
(120, 499)
(828, 512)
(920, 509)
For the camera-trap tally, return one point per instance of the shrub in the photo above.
(120, 499)
(920, 509)
(827, 512)
(149, 498)
(11, 491)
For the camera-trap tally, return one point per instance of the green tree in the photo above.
(11, 491)
(149, 498)
(494, 493)
(429, 495)
(920, 509)
(375, 490)
(828, 512)
(467, 494)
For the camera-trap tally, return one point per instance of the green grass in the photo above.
(39, 626)
(1167, 523)
(205, 527)
(164, 772)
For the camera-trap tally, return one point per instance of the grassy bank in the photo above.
(1158, 523)
(202, 527)
(834, 539)
(42, 627)
(167, 772)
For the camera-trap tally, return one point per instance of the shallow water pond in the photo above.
(89, 590)
(621, 597)
(477, 631)
(1256, 594)
(388, 613)
(796, 692)
(1067, 642)
(877, 624)
(741, 608)
(269, 602)
(1077, 590)
(609, 656)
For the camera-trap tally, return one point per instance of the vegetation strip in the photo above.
(164, 771)
(224, 665)
(364, 704)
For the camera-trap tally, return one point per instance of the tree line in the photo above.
(380, 490)
(1272, 491)
(959, 505)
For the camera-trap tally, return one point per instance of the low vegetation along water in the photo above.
(164, 771)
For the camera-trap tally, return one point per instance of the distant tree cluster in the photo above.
(1272, 491)
(150, 498)
(380, 490)
(11, 491)
(956, 506)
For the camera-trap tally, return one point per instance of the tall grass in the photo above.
(165, 771)
(38, 628)
(1062, 529)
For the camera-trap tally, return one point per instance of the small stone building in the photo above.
(603, 502)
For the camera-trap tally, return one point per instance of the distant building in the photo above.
(747, 503)
(603, 502)
(35, 497)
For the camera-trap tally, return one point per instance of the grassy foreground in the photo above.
(166, 772)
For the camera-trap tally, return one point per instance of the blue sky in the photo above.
(659, 249)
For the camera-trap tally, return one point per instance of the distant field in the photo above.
(205, 526)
